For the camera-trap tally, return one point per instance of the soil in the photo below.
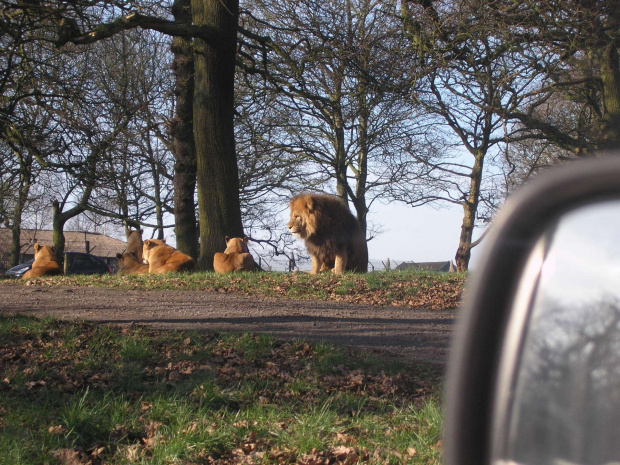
(417, 335)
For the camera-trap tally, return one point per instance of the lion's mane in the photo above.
(332, 234)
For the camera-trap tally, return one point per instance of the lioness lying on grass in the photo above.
(128, 263)
(162, 258)
(236, 257)
(45, 263)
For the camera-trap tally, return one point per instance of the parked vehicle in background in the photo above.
(85, 263)
(75, 263)
(19, 270)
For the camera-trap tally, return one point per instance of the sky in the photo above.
(583, 263)
(420, 234)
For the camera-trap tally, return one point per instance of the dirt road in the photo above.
(415, 334)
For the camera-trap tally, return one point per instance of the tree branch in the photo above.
(136, 20)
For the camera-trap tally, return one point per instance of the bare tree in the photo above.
(138, 167)
(29, 79)
(214, 32)
(337, 71)
(470, 83)
(575, 45)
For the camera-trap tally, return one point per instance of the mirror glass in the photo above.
(559, 395)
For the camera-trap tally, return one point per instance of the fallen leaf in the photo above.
(71, 457)
(56, 429)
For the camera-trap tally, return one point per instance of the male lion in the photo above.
(162, 258)
(134, 243)
(236, 257)
(332, 234)
(44, 264)
(128, 263)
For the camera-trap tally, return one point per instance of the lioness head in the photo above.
(304, 214)
(127, 258)
(149, 245)
(44, 253)
(236, 244)
(134, 242)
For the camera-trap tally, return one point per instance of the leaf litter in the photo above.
(54, 359)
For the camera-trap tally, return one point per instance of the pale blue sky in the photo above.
(421, 234)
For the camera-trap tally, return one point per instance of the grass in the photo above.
(78, 392)
(402, 289)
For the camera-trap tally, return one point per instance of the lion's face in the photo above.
(301, 223)
(127, 258)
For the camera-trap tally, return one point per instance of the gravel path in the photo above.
(415, 334)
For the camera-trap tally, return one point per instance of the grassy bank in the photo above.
(402, 289)
(75, 393)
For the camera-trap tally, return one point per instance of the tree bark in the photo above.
(470, 206)
(219, 209)
(22, 196)
(362, 170)
(340, 164)
(182, 132)
(58, 235)
(610, 75)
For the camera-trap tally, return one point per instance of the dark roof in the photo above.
(75, 241)
(426, 266)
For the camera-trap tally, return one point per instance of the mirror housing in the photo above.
(486, 323)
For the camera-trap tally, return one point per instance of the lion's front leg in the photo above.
(341, 263)
(316, 265)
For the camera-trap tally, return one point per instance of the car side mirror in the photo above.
(534, 373)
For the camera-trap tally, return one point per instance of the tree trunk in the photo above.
(340, 161)
(16, 227)
(58, 235)
(182, 132)
(16, 246)
(219, 209)
(610, 75)
(470, 207)
(60, 218)
(159, 211)
(362, 171)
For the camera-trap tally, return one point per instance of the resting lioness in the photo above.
(236, 257)
(44, 264)
(162, 258)
(128, 263)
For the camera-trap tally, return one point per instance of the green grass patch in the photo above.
(135, 395)
(394, 288)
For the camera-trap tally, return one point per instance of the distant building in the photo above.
(427, 266)
(97, 244)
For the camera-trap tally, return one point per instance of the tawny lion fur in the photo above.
(44, 264)
(162, 258)
(128, 263)
(134, 243)
(332, 234)
(236, 257)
